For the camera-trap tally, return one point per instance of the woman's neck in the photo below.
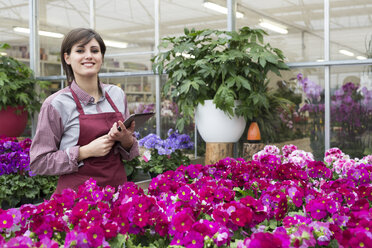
(90, 86)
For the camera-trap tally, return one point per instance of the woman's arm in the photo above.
(45, 156)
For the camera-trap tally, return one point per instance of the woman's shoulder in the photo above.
(112, 89)
(58, 99)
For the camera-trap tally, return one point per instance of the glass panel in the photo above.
(350, 29)
(351, 110)
(303, 124)
(14, 14)
(302, 19)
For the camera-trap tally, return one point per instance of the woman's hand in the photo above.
(125, 136)
(96, 148)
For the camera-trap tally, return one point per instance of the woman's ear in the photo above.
(67, 58)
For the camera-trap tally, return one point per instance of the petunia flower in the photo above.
(183, 221)
(95, 235)
(6, 220)
(194, 240)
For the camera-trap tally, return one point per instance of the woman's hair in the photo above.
(82, 36)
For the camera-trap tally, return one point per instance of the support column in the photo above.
(231, 15)
(92, 14)
(34, 49)
(157, 76)
(327, 85)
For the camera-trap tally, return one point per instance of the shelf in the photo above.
(139, 93)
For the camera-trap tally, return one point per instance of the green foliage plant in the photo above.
(18, 86)
(220, 65)
(16, 189)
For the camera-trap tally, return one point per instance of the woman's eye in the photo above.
(80, 51)
(95, 51)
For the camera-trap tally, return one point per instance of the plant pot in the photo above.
(254, 135)
(12, 123)
(215, 126)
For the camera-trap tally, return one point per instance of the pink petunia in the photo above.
(95, 236)
(6, 220)
(194, 240)
(183, 221)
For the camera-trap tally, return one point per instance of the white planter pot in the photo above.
(215, 126)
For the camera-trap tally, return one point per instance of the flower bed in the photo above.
(275, 200)
(17, 183)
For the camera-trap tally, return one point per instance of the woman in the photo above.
(78, 135)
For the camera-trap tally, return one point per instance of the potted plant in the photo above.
(20, 94)
(220, 65)
(164, 155)
(17, 183)
(227, 68)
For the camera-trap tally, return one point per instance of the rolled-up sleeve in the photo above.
(45, 156)
(128, 155)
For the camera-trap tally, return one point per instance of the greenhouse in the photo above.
(200, 123)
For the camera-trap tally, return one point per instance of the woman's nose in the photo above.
(88, 55)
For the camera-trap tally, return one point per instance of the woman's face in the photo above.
(85, 60)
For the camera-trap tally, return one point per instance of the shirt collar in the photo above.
(83, 96)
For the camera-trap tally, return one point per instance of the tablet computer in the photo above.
(140, 119)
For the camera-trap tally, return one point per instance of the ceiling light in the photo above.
(346, 52)
(273, 26)
(220, 9)
(320, 60)
(361, 57)
(42, 33)
(3, 54)
(116, 44)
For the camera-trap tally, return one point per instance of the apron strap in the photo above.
(79, 107)
(111, 102)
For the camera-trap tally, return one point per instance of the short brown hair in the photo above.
(78, 35)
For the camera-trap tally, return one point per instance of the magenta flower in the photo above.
(220, 216)
(70, 239)
(6, 220)
(184, 193)
(298, 199)
(94, 216)
(242, 216)
(264, 240)
(95, 235)
(110, 230)
(177, 240)
(141, 219)
(317, 209)
(194, 240)
(183, 221)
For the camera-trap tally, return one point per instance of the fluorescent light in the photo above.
(320, 60)
(50, 34)
(346, 52)
(361, 57)
(42, 33)
(116, 44)
(220, 9)
(273, 26)
(3, 54)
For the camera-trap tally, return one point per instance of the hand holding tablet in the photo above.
(140, 119)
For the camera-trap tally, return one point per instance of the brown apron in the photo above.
(106, 170)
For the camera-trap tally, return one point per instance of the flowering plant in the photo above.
(17, 183)
(163, 155)
(351, 115)
(282, 198)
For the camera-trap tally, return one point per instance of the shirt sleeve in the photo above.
(45, 156)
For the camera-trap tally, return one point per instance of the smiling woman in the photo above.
(83, 120)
